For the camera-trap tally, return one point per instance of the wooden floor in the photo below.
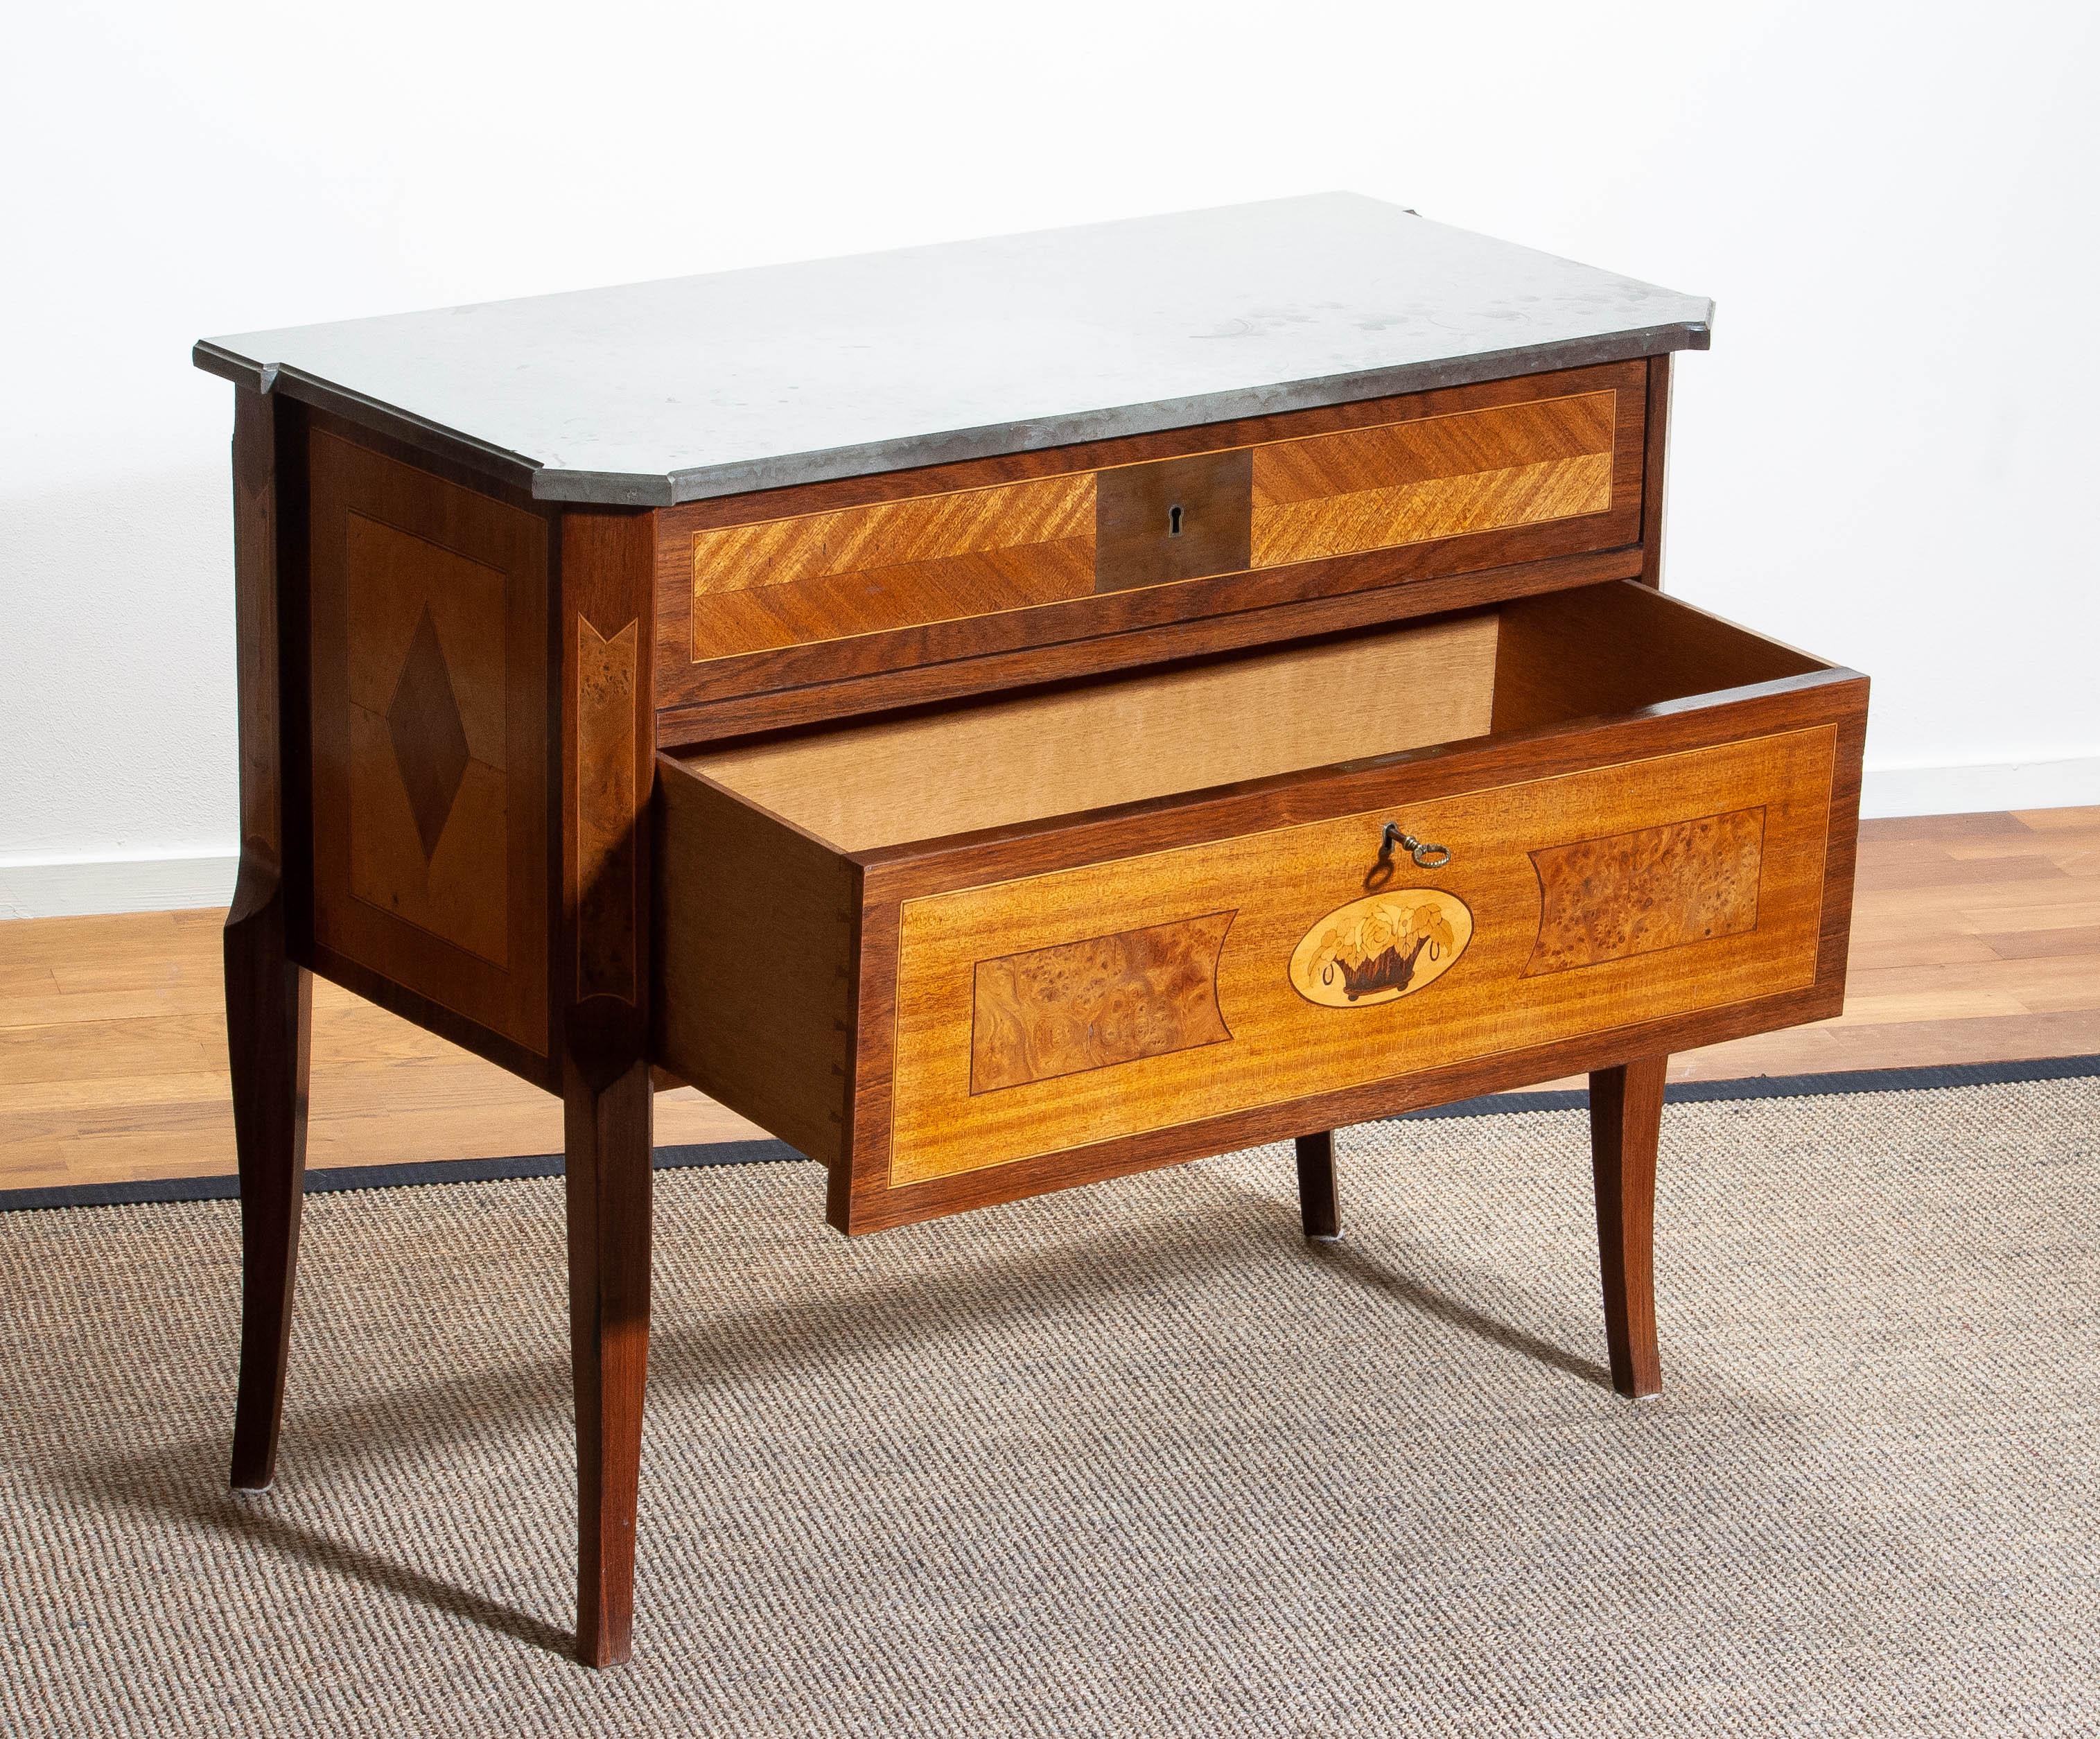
(1976, 938)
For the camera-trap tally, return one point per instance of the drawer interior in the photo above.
(1528, 664)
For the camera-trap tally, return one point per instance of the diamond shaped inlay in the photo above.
(429, 735)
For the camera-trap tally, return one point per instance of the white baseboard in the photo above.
(1969, 790)
(79, 887)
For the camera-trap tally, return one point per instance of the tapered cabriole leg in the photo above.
(269, 1000)
(1319, 1197)
(609, 1135)
(1625, 1124)
(269, 1004)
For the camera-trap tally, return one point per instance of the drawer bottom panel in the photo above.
(1054, 1011)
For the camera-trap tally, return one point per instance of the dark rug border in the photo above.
(327, 1180)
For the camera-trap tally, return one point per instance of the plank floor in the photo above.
(1976, 938)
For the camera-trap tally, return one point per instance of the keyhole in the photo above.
(1173, 522)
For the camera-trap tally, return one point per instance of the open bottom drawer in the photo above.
(1020, 943)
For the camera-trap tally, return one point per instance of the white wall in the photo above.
(1889, 455)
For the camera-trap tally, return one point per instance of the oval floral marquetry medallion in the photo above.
(1381, 948)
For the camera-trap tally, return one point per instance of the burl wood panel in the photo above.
(1283, 883)
(429, 648)
(963, 544)
(1605, 899)
(1094, 1003)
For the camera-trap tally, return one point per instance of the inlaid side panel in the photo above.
(919, 567)
(428, 644)
(428, 725)
(1438, 958)
(1605, 899)
(1094, 1003)
(1407, 483)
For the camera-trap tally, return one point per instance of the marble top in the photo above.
(651, 394)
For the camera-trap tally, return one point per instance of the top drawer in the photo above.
(837, 581)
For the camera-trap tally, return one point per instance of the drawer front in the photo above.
(1046, 1013)
(944, 564)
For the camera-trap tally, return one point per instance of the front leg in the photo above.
(608, 758)
(1625, 1127)
(608, 1132)
(269, 1021)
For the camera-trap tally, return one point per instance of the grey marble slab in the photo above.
(650, 394)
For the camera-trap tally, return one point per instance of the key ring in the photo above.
(1426, 857)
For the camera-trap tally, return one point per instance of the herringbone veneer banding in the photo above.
(947, 555)
(1437, 477)
(916, 530)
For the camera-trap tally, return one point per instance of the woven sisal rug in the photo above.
(1136, 1459)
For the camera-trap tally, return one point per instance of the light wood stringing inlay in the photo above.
(1282, 883)
(832, 575)
(1094, 1003)
(1605, 899)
